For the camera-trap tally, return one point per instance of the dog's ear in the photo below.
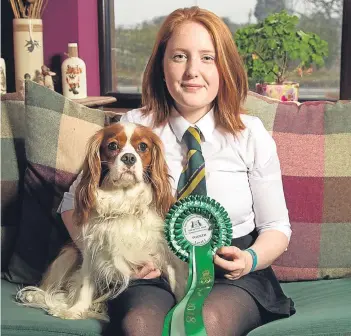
(160, 178)
(85, 196)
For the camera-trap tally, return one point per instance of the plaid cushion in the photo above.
(57, 131)
(314, 146)
(13, 162)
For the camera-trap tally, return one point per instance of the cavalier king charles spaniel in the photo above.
(120, 204)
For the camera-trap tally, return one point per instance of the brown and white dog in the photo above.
(120, 203)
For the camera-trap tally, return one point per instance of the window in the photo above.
(130, 27)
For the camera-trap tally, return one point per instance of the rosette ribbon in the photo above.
(195, 227)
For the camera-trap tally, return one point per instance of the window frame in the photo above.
(106, 28)
(345, 68)
(133, 100)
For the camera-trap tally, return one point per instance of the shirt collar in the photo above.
(179, 124)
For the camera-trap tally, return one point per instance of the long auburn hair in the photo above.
(84, 198)
(233, 78)
(157, 175)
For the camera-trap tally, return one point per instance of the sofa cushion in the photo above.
(322, 308)
(314, 146)
(57, 131)
(18, 320)
(13, 163)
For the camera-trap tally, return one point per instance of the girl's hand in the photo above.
(235, 262)
(148, 271)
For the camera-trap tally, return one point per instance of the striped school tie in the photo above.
(192, 179)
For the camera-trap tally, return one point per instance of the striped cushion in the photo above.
(314, 146)
(13, 163)
(57, 131)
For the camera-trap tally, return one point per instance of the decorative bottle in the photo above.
(2, 76)
(74, 75)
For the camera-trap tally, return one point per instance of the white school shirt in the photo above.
(242, 172)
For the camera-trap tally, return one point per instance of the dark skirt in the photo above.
(262, 285)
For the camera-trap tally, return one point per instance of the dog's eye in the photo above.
(142, 147)
(112, 146)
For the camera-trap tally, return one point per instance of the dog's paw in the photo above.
(68, 314)
(31, 297)
(25, 296)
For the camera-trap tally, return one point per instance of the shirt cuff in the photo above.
(67, 203)
(284, 228)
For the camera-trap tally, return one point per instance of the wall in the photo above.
(68, 21)
(64, 21)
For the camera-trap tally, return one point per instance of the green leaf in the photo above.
(269, 30)
(274, 39)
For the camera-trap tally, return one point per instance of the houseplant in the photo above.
(274, 48)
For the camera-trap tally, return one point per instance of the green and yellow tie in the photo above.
(192, 179)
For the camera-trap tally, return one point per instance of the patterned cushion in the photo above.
(57, 130)
(13, 163)
(314, 146)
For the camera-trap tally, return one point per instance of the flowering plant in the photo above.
(274, 48)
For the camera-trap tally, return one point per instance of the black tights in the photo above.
(140, 311)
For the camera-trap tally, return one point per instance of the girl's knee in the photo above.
(143, 322)
(213, 320)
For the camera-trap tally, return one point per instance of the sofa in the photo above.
(43, 139)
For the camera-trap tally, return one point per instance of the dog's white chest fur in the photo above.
(124, 234)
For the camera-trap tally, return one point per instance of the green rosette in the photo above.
(195, 227)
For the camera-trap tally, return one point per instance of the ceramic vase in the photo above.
(28, 49)
(284, 92)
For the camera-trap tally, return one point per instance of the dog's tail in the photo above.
(53, 291)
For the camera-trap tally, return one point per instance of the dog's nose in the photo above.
(128, 159)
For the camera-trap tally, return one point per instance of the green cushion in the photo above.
(323, 308)
(17, 320)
